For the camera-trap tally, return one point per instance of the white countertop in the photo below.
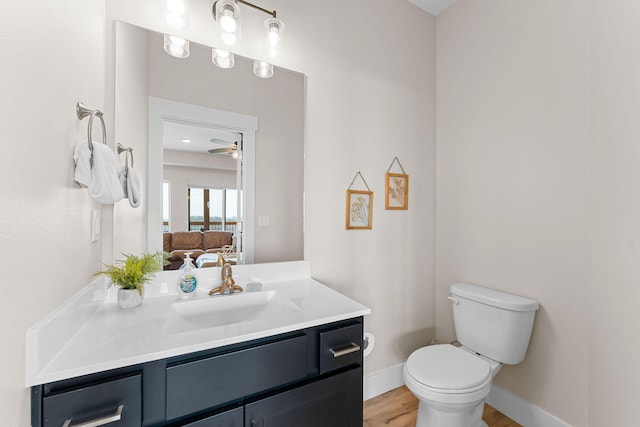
(89, 333)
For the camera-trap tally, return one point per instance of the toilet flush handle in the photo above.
(455, 301)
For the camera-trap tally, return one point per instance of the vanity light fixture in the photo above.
(176, 46)
(262, 69)
(227, 14)
(222, 58)
(176, 14)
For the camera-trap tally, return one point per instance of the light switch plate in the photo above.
(95, 225)
(263, 220)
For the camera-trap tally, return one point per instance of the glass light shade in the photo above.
(227, 14)
(176, 14)
(222, 58)
(273, 30)
(262, 69)
(176, 46)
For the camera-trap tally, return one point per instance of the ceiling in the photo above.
(198, 136)
(434, 7)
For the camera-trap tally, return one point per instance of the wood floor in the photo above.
(399, 408)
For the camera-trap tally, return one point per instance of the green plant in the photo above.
(134, 271)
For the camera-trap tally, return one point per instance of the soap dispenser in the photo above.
(188, 281)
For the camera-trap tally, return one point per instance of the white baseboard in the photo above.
(509, 404)
(383, 381)
(520, 410)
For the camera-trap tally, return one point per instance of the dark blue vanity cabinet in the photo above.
(310, 377)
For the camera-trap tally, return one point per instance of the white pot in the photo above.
(129, 298)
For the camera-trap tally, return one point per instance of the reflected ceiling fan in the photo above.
(232, 147)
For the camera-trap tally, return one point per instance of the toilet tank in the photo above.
(494, 324)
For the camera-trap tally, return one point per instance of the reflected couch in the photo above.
(177, 244)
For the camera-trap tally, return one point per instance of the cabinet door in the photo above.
(232, 418)
(335, 401)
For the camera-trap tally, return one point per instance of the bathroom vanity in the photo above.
(289, 354)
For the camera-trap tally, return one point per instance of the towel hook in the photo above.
(128, 152)
(83, 111)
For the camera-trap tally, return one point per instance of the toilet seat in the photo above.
(445, 369)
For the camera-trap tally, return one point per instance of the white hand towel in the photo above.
(82, 158)
(101, 179)
(130, 184)
(133, 188)
(122, 177)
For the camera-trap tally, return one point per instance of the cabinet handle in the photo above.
(342, 351)
(100, 421)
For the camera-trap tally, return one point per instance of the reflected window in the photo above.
(213, 209)
(231, 207)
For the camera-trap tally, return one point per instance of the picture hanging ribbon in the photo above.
(395, 160)
(358, 174)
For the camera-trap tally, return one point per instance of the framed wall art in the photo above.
(359, 207)
(396, 189)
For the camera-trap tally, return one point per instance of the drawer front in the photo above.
(340, 347)
(207, 383)
(232, 418)
(116, 403)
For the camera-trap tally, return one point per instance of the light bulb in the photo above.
(222, 58)
(228, 22)
(175, 21)
(176, 51)
(175, 14)
(229, 39)
(176, 46)
(273, 37)
(177, 41)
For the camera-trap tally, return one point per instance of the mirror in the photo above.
(158, 97)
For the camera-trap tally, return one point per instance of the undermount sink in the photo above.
(222, 310)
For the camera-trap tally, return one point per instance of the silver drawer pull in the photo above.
(342, 351)
(100, 421)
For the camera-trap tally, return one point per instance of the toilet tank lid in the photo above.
(493, 297)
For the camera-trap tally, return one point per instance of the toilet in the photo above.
(452, 382)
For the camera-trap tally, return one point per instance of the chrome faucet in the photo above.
(228, 284)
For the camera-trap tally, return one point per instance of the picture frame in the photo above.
(396, 191)
(359, 210)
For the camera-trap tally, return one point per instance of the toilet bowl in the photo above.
(451, 385)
